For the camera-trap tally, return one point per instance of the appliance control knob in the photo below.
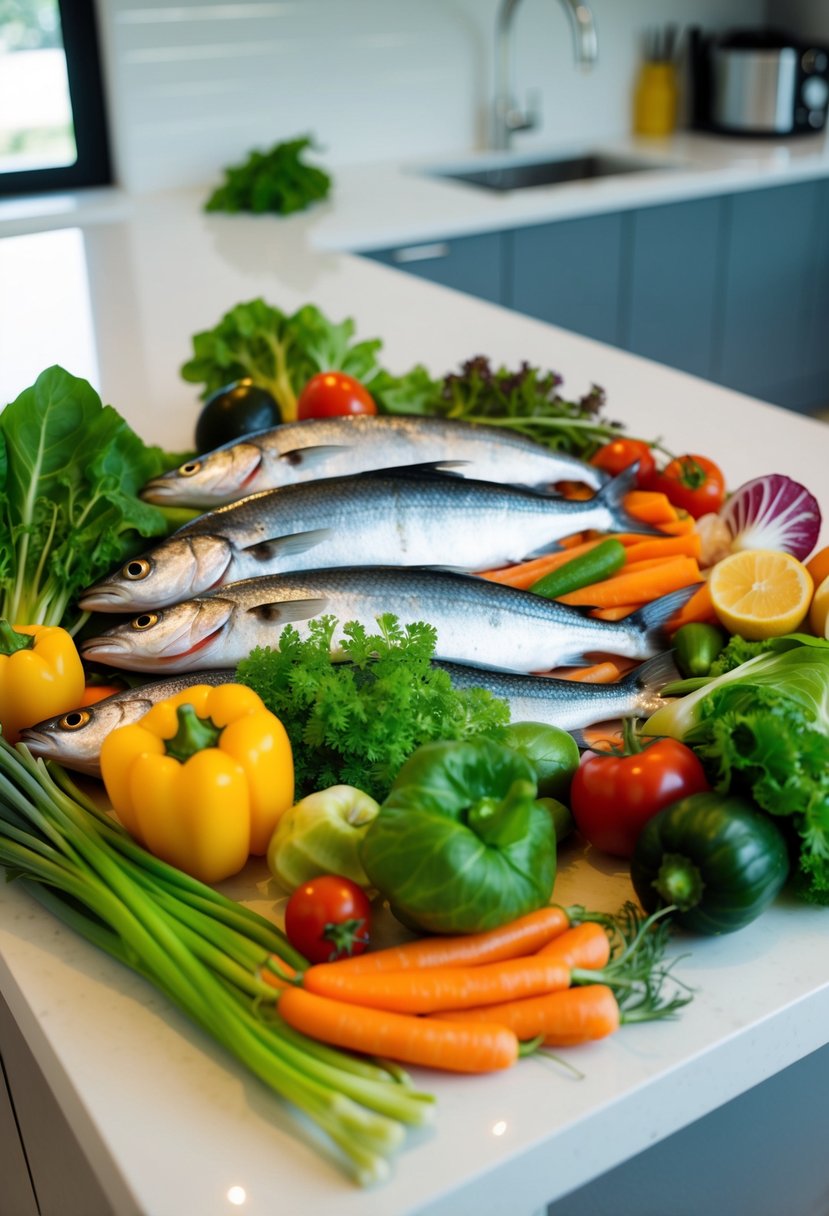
(816, 118)
(815, 92)
(814, 60)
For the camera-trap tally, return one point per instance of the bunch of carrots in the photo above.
(477, 1003)
(654, 566)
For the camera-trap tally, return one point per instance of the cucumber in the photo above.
(592, 567)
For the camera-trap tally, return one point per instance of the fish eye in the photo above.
(137, 569)
(192, 466)
(145, 621)
(74, 720)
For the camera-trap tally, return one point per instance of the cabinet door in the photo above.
(769, 296)
(470, 263)
(569, 273)
(817, 356)
(670, 293)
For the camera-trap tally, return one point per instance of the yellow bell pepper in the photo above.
(41, 674)
(201, 779)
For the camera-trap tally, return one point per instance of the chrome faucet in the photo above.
(507, 117)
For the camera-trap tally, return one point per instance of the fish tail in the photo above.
(648, 678)
(612, 497)
(651, 620)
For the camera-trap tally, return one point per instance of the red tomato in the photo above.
(619, 454)
(327, 918)
(693, 483)
(613, 796)
(330, 393)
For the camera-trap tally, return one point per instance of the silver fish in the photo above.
(74, 738)
(567, 704)
(372, 520)
(335, 447)
(479, 623)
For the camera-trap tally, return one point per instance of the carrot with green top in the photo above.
(429, 1042)
(522, 936)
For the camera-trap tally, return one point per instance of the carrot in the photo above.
(617, 613)
(652, 563)
(680, 527)
(525, 935)
(600, 673)
(665, 546)
(585, 945)
(697, 608)
(437, 988)
(638, 587)
(431, 1043)
(576, 1015)
(650, 507)
(527, 573)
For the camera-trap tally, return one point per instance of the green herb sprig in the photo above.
(355, 722)
(277, 181)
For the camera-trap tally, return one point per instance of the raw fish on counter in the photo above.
(381, 520)
(479, 623)
(335, 447)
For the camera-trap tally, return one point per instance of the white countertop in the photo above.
(168, 1122)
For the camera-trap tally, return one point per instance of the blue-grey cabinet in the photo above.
(769, 290)
(671, 285)
(568, 273)
(473, 264)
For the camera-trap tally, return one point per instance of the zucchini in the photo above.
(716, 858)
(582, 571)
(697, 646)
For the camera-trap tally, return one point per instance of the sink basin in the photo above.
(521, 176)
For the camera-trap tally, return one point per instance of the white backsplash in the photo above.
(195, 85)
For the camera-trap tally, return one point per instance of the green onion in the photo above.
(206, 953)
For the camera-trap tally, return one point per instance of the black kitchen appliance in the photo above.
(758, 82)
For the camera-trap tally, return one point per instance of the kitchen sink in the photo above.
(521, 176)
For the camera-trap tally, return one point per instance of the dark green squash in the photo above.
(716, 857)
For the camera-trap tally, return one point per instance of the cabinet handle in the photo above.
(420, 253)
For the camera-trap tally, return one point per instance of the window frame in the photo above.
(93, 166)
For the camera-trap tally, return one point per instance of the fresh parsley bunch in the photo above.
(356, 721)
(277, 180)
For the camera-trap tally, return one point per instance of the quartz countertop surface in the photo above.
(169, 1123)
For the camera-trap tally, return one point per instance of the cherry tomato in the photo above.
(619, 454)
(613, 795)
(692, 483)
(330, 393)
(328, 918)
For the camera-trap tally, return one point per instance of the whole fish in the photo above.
(336, 447)
(568, 704)
(479, 623)
(74, 738)
(373, 520)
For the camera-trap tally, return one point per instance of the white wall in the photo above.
(194, 85)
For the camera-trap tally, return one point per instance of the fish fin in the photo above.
(580, 739)
(612, 495)
(298, 542)
(282, 612)
(437, 469)
(310, 456)
(652, 619)
(654, 673)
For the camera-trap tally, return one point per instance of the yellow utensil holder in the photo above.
(655, 100)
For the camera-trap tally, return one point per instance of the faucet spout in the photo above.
(507, 117)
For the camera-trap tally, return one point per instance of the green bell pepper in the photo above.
(461, 844)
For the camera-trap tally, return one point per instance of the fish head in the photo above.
(179, 568)
(183, 637)
(217, 477)
(74, 739)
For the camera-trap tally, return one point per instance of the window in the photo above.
(52, 128)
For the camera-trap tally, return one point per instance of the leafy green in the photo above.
(462, 844)
(355, 723)
(739, 651)
(70, 471)
(526, 400)
(278, 352)
(775, 742)
(277, 180)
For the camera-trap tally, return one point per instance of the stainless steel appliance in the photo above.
(758, 82)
